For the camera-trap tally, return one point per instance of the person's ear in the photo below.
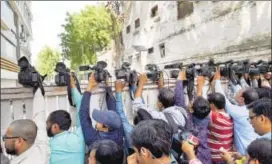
(160, 106)
(145, 153)
(262, 118)
(55, 128)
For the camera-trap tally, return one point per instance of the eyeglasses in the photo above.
(251, 117)
(7, 138)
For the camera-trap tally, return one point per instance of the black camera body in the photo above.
(152, 72)
(263, 66)
(241, 67)
(126, 73)
(100, 72)
(175, 69)
(28, 75)
(61, 78)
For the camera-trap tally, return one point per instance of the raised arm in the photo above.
(39, 117)
(200, 84)
(77, 98)
(179, 91)
(119, 85)
(89, 132)
(138, 103)
(230, 108)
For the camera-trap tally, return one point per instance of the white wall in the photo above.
(221, 30)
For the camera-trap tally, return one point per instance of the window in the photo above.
(150, 50)
(185, 8)
(8, 50)
(137, 23)
(128, 29)
(154, 11)
(162, 50)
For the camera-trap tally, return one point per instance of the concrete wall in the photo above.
(222, 30)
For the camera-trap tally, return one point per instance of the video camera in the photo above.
(28, 75)
(61, 78)
(175, 69)
(100, 72)
(241, 67)
(125, 73)
(206, 69)
(152, 72)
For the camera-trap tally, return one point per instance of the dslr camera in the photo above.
(61, 78)
(152, 72)
(175, 69)
(100, 72)
(126, 73)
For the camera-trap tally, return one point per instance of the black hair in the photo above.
(107, 151)
(62, 118)
(201, 107)
(264, 92)
(260, 149)
(250, 95)
(166, 97)
(217, 99)
(262, 107)
(142, 114)
(154, 135)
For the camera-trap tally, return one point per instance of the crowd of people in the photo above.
(221, 125)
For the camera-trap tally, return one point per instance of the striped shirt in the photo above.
(220, 134)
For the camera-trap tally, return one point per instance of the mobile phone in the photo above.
(193, 140)
(222, 149)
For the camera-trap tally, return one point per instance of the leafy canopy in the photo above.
(86, 33)
(47, 60)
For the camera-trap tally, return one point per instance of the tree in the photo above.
(47, 60)
(86, 33)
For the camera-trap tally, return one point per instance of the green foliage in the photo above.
(86, 33)
(47, 60)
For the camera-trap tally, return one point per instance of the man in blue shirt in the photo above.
(66, 147)
(108, 126)
(243, 132)
(260, 117)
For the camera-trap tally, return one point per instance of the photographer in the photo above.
(243, 132)
(106, 152)
(260, 117)
(176, 116)
(26, 139)
(61, 142)
(108, 126)
(151, 140)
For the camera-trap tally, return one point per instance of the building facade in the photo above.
(166, 32)
(16, 34)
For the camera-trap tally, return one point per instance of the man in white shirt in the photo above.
(27, 139)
